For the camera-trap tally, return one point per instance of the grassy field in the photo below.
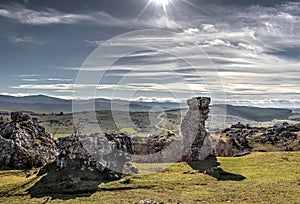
(135, 123)
(270, 178)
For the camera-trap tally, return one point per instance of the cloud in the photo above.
(46, 16)
(26, 75)
(59, 79)
(24, 39)
(41, 17)
(46, 86)
(217, 42)
(209, 28)
(171, 86)
(256, 46)
(16, 94)
(94, 43)
(191, 30)
(162, 22)
(286, 16)
(32, 80)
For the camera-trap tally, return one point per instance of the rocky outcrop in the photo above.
(96, 152)
(83, 163)
(232, 148)
(282, 138)
(70, 165)
(239, 139)
(196, 141)
(193, 144)
(156, 149)
(24, 145)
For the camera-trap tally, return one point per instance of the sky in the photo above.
(237, 52)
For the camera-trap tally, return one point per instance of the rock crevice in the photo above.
(197, 144)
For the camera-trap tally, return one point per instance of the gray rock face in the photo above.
(95, 152)
(74, 164)
(282, 137)
(196, 141)
(83, 163)
(156, 150)
(24, 145)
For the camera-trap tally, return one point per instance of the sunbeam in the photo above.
(144, 9)
(162, 3)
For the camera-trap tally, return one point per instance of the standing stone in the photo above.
(197, 145)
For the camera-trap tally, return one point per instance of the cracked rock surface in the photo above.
(24, 145)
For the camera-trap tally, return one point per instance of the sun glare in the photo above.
(163, 3)
(159, 5)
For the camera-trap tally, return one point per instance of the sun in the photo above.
(159, 5)
(163, 3)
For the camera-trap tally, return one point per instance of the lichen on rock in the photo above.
(24, 145)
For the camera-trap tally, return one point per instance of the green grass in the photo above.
(56, 136)
(270, 178)
(128, 130)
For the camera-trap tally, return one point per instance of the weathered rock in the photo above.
(148, 201)
(193, 144)
(126, 181)
(196, 141)
(153, 150)
(83, 163)
(238, 125)
(278, 137)
(25, 145)
(287, 134)
(19, 116)
(97, 152)
(230, 148)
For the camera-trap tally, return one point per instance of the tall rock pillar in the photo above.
(197, 145)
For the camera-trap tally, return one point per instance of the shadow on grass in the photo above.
(18, 188)
(209, 166)
(67, 184)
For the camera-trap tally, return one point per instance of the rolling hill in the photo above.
(42, 103)
(254, 113)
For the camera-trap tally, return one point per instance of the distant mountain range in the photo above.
(253, 113)
(42, 103)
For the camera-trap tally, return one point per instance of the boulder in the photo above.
(287, 134)
(83, 163)
(239, 125)
(19, 116)
(24, 145)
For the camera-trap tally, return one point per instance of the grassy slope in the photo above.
(59, 126)
(270, 178)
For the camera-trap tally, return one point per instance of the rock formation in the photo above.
(96, 152)
(70, 165)
(83, 163)
(196, 141)
(24, 145)
(237, 139)
(157, 149)
(194, 144)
